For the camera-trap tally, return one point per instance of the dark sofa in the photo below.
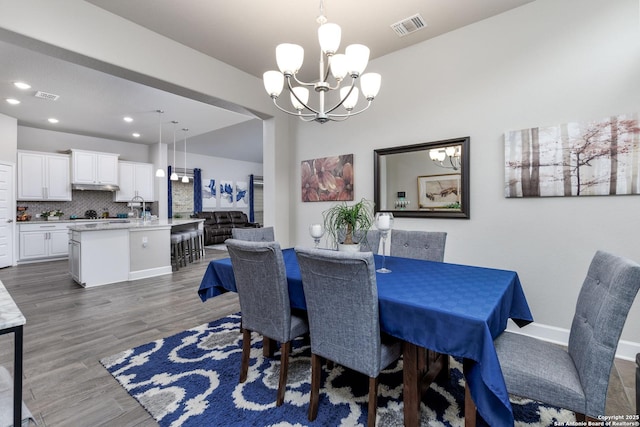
(218, 224)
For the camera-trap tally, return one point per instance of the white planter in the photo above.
(349, 248)
(53, 218)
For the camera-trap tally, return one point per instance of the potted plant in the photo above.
(52, 214)
(347, 225)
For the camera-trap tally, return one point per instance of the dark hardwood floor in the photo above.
(69, 329)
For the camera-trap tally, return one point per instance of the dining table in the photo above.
(449, 309)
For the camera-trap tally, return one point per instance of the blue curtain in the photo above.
(197, 190)
(251, 213)
(169, 195)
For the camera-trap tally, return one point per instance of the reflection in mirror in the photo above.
(423, 180)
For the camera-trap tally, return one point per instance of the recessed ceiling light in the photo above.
(12, 101)
(52, 120)
(128, 119)
(136, 135)
(22, 85)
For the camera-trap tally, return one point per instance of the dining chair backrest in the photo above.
(262, 234)
(342, 304)
(425, 245)
(371, 243)
(604, 301)
(261, 282)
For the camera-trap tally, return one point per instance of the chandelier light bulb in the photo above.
(370, 85)
(338, 65)
(303, 94)
(351, 100)
(273, 83)
(329, 36)
(357, 58)
(289, 58)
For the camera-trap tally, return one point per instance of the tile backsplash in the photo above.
(83, 201)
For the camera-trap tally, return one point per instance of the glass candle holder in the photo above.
(316, 231)
(384, 223)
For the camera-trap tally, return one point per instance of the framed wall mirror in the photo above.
(423, 180)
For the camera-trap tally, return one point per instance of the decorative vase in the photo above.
(349, 248)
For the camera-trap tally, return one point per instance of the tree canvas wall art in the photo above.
(574, 159)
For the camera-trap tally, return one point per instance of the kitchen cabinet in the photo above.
(43, 241)
(43, 176)
(91, 167)
(136, 179)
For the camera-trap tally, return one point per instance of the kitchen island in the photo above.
(121, 250)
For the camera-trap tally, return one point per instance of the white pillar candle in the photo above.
(383, 222)
(316, 230)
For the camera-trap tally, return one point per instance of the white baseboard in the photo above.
(151, 272)
(627, 350)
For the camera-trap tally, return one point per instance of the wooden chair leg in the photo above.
(373, 402)
(316, 363)
(285, 349)
(246, 349)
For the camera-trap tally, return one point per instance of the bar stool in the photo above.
(187, 246)
(177, 256)
(195, 244)
(200, 241)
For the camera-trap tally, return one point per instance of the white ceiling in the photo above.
(242, 33)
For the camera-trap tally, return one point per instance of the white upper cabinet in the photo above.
(136, 179)
(90, 167)
(43, 176)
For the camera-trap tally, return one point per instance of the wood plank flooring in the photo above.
(69, 329)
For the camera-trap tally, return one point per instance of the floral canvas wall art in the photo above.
(209, 199)
(242, 195)
(327, 179)
(226, 194)
(574, 159)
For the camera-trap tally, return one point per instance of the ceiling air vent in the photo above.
(409, 25)
(45, 95)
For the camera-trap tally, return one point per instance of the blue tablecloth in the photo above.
(449, 308)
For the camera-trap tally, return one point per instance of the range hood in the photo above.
(95, 187)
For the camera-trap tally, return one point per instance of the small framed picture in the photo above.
(439, 192)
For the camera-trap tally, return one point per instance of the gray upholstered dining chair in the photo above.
(371, 243)
(576, 379)
(342, 303)
(261, 281)
(426, 245)
(262, 234)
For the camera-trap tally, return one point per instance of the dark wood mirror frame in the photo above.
(413, 210)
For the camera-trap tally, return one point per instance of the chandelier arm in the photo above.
(296, 97)
(353, 84)
(298, 114)
(350, 113)
(295, 77)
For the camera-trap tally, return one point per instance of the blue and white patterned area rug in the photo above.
(191, 379)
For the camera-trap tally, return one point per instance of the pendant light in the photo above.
(160, 171)
(174, 175)
(185, 178)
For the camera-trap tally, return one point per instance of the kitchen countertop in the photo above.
(119, 224)
(10, 314)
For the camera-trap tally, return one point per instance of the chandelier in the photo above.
(352, 63)
(447, 157)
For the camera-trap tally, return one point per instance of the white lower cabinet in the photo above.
(43, 241)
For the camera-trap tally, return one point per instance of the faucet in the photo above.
(142, 214)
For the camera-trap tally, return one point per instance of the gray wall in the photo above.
(545, 63)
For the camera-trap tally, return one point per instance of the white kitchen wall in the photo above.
(545, 63)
